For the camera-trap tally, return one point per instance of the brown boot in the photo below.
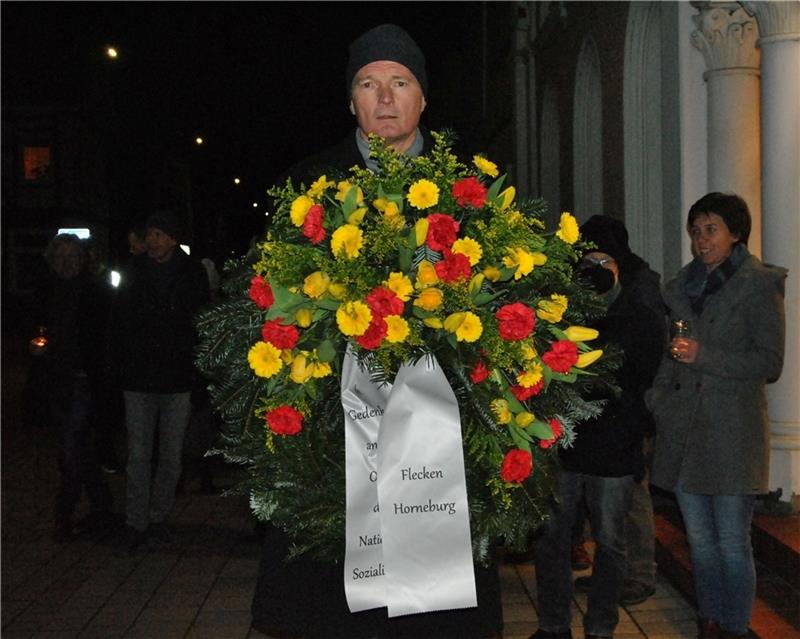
(708, 629)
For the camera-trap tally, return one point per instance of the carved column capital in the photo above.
(726, 36)
(776, 20)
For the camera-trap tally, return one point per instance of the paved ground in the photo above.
(201, 585)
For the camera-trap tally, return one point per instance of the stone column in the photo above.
(779, 28)
(726, 36)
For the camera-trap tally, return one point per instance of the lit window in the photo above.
(36, 162)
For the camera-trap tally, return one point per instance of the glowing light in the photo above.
(186, 249)
(255, 205)
(198, 140)
(114, 277)
(237, 181)
(82, 233)
(111, 52)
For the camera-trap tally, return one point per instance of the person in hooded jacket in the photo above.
(606, 460)
(710, 406)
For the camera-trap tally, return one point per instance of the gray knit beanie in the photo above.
(386, 42)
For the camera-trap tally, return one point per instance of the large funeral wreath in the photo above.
(426, 256)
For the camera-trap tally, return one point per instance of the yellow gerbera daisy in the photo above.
(466, 326)
(400, 285)
(501, 411)
(264, 359)
(530, 375)
(319, 187)
(347, 239)
(423, 194)
(568, 229)
(469, 247)
(397, 328)
(353, 318)
(485, 166)
(299, 209)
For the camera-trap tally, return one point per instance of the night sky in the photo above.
(263, 83)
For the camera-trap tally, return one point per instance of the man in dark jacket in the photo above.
(606, 460)
(159, 294)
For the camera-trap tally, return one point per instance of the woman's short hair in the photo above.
(61, 239)
(730, 207)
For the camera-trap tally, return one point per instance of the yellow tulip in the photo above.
(421, 231)
(585, 359)
(303, 317)
(581, 334)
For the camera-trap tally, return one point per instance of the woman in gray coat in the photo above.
(709, 403)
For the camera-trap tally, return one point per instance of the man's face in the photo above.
(136, 245)
(387, 100)
(160, 246)
(66, 260)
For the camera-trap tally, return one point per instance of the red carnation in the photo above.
(377, 330)
(555, 426)
(522, 393)
(312, 226)
(278, 335)
(383, 302)
(453, 267)
(516, 321)
(479, 372)
(562, 356)
(442, 231)
(284, 420)
(261, 293)
(517, 465)
(469, 191)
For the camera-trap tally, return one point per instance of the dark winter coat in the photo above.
(154, 335)
(75, 314)
(339, 157)
(712, 429)
(611, 445)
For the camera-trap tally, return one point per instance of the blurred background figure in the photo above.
(70, 314)
(159, 293)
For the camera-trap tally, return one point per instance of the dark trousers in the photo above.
(70, 403)
(607, 501)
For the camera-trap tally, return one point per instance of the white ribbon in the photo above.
(408, 540)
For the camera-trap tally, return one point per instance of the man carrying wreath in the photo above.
(386, 83)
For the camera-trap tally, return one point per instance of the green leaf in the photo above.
(286, 302)
(513, 403)
(326, 351)
(494, 189)
(565, 377)
(327, 303)
(404, 255)
(540, 429)
(484, 298)
(350, 203)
